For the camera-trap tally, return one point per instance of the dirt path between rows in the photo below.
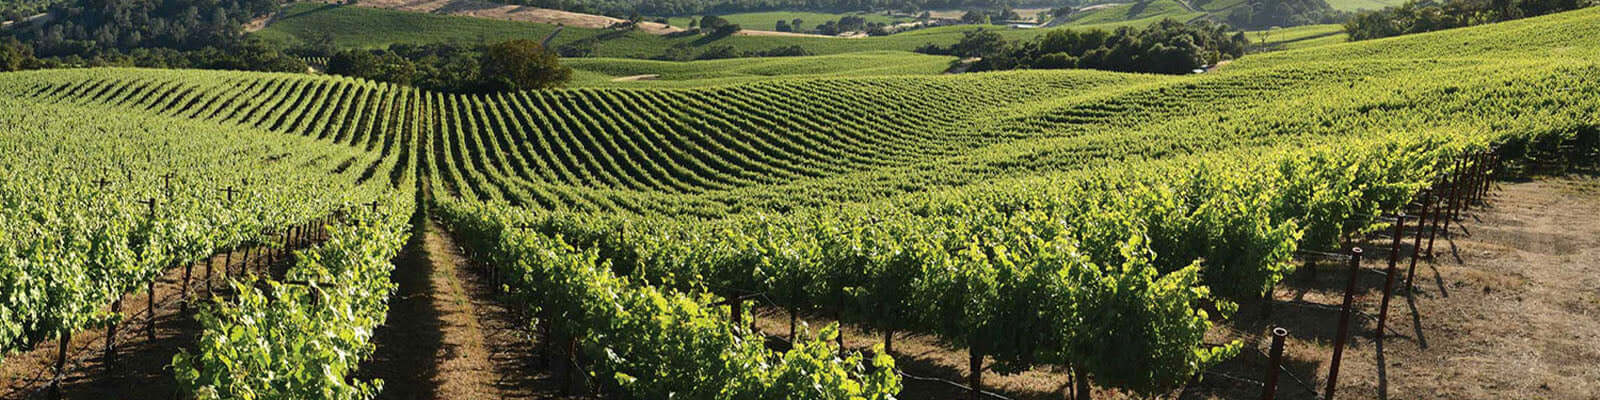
(140, 368)
(447, 337)
(1509, 309)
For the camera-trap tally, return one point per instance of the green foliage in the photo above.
(656, 343)
(523, 64)
(72, 246)
(1166, 47)
(1283, 13)
(1040, 218)
(1417, 17)
(304, 337)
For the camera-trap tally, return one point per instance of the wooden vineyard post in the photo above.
(111, 335)
(1433, 226)
(1388, 277)
(1343, 333)
(793, 317)
(1080, 381)
(735, 310)
(1481, 176)
(1456, 185)
(1274, 362)
(226, 260)
(838, 320)
(1489, 158)
(1416, 246)
(150, 308)
(150, 295)
(183, 294)
(61, 364)
(975, 370)
(888, 339)
(572, 375)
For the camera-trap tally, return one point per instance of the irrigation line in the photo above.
(897, 371)
(1235, 378)
(1324, 255)
(1296, 378)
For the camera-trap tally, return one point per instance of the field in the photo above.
(713, 230)
(1138, 11)
(363, 27)
(769, 20)
(599, 72)
(1299, 37)
(1356, 5)
(360, 27)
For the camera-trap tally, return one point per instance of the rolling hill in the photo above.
(1019, 221)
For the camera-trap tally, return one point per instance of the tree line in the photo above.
(206, 34)
(518, 64)
(1262, 14)
(1427, 16)
(155, 34)
(1168, 47)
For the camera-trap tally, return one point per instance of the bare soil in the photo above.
(140, 367)
(1508, 308)
(485, 9)
(490, 10)
(447, 337)
(632, 78)
(753, 32)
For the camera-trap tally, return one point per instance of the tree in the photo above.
(783, 26)
(718, 27)
(15, 56)
(522, 64)
(1056, 61)
(1009, 14)
(975, 18)
(979, 43)
(357, 63)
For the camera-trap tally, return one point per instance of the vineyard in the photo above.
(1099, 223)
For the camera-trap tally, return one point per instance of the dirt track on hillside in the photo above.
(484, 9)
(489, 10)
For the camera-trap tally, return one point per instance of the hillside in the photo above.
(622, 72)
(1035, 232)
(364, 27)
(1045, 113)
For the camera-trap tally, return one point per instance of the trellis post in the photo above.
(1344, 324)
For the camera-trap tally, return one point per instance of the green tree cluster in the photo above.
(1168, 47)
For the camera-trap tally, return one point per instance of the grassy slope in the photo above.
(600, 71)
(361, 27)
(1155, 9)
(905, 134)
(768, 20)
(1299, 37)
(1353, 5)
